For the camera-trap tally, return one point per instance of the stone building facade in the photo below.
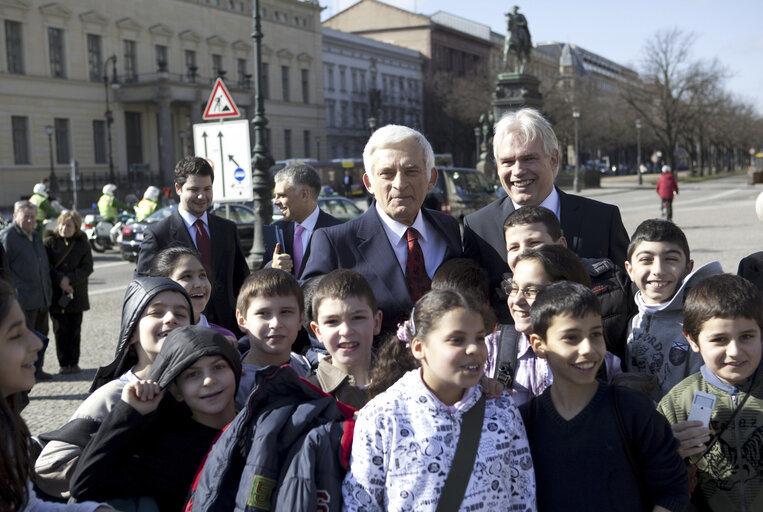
(364, 79)
(54, 55)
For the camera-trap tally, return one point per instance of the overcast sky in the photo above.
(617, 30)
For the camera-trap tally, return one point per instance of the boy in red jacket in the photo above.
(666, 187)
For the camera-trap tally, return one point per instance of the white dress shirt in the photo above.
(551, 202)
(432, 244)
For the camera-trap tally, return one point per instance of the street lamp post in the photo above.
(262, 184)
(181, 134)
(477, 135)
(52, 178)
(108, 113)
(638, 149)
(576, 180)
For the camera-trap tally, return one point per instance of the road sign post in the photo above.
(226, 146)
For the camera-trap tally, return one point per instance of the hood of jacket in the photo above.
(706, 270)
(186, 345)
(140, 292)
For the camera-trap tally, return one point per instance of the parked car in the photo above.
(460, 191)
(340, 207)
(243, 216)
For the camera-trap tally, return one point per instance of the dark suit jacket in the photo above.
(593, 230)
(230, 265)
(361, 244)
(287, 228)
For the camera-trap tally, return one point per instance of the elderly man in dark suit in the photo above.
(296, 194)
(215, 238)
(527, 155)
(397, 245)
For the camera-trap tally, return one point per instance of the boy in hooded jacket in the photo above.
(152, 308)
(150, 444)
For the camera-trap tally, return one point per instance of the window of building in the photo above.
(99, 141)
(265, 85)
(13, 49)
(20, 127)
(305, 86)
(306, 143)
(94, 58)
(243, 80)
(56, 50)
(287, 143)
(129, 59)
(344, 114)
(217, 65)
(190, 65)
(354, 81)
(331, 112)
(342, 77)
(285, 82)
(162, 62)
(63, 151)
(330, 77)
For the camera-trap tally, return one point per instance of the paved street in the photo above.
(717, 215)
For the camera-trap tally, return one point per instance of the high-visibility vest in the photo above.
(145, 208)
(106, 207)
(37, 200)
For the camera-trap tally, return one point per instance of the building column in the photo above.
(166, 142)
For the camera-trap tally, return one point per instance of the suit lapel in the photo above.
(452, 238)
(497, 235)
(570, 220)
(374, 247)
(320, 223)
(179, 232)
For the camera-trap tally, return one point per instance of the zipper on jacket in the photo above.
(740, 462)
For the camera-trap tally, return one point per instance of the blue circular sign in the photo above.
(239, 174)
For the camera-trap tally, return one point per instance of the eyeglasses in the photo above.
(529, 292)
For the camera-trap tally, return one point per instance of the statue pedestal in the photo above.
(514, 91)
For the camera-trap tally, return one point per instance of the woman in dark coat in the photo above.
(71, 262)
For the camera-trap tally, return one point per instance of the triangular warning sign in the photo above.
(220, 104)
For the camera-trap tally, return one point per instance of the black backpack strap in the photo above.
(452, 494)
(506, 362)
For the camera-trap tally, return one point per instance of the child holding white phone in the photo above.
(723, 319)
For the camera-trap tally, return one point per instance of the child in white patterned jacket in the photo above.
(406, 437)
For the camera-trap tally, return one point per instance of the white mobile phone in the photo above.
(702, 407)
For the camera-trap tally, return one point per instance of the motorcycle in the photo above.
(102, 234)
(98, 232)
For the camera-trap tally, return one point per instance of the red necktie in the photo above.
(415, 269)
(203, 244)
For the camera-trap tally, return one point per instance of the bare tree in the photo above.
(676, 90)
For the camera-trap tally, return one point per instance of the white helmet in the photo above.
(41, 189)
(109, 189)
(666, 168)
(152, 193)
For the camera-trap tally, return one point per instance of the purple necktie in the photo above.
(298, 250)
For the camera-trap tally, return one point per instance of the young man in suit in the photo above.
(296, 194)
(215, 238)
(396, 244)
(527, 155)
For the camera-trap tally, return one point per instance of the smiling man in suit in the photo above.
(215, 238)
(296, 194)
(527, 155)
(396, 244)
